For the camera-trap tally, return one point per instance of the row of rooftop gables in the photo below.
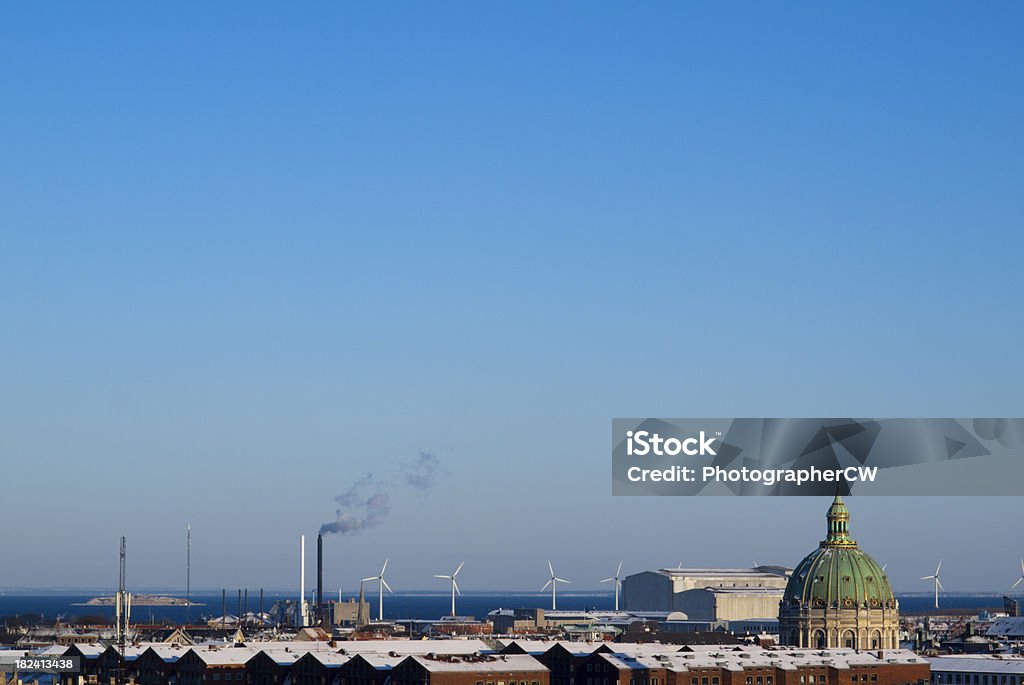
(479, 662)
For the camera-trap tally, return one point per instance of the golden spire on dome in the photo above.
(838, 517)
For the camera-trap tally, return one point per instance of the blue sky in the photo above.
(250, 253)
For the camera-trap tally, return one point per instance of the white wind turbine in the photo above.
(383, 584)
(455, 586)
(618, 583)
(938, 584)
(1021, 579)
(553, 581)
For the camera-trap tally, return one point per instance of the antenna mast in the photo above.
(124, 607)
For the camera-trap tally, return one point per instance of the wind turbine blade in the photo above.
(1019, 581)
(461, 564)
(456, 586)
(884, 565)
(367, 580)
(939, 583)
(607, 580)
(561, 580)
(938, 567)
(384, 567)
(546, 585)
(551, 568)
(618, 571)
(927, 577)
(445, 577)
(387, 586)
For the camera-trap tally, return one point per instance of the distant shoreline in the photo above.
(141, 601)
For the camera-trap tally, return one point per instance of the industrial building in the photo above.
(708, 594)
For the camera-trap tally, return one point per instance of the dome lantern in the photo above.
(838, 517)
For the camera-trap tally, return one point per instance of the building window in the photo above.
(760, 680)
(714, 680)
(768, 679)
(749, 680)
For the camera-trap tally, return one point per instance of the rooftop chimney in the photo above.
(319, 575)
(300, 619)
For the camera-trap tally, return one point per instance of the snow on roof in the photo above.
(500, 663)
(1008, 626)
(741, 657)
(541, 646)
(978, 664)
(382, 662)
(331, 659)
(170, 653)
(131, 652)
(407, 647)
(282, 656)
(90, 650)
(230, 656)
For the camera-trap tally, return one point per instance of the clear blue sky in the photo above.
(250, 252)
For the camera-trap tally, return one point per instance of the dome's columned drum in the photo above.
(838, 596)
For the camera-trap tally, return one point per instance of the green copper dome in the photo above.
(838, 574)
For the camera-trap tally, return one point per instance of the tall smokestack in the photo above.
(301, 618)
(188, 573)
(319, 575)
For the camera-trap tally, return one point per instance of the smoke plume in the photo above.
(367, 502)
(421, 473)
